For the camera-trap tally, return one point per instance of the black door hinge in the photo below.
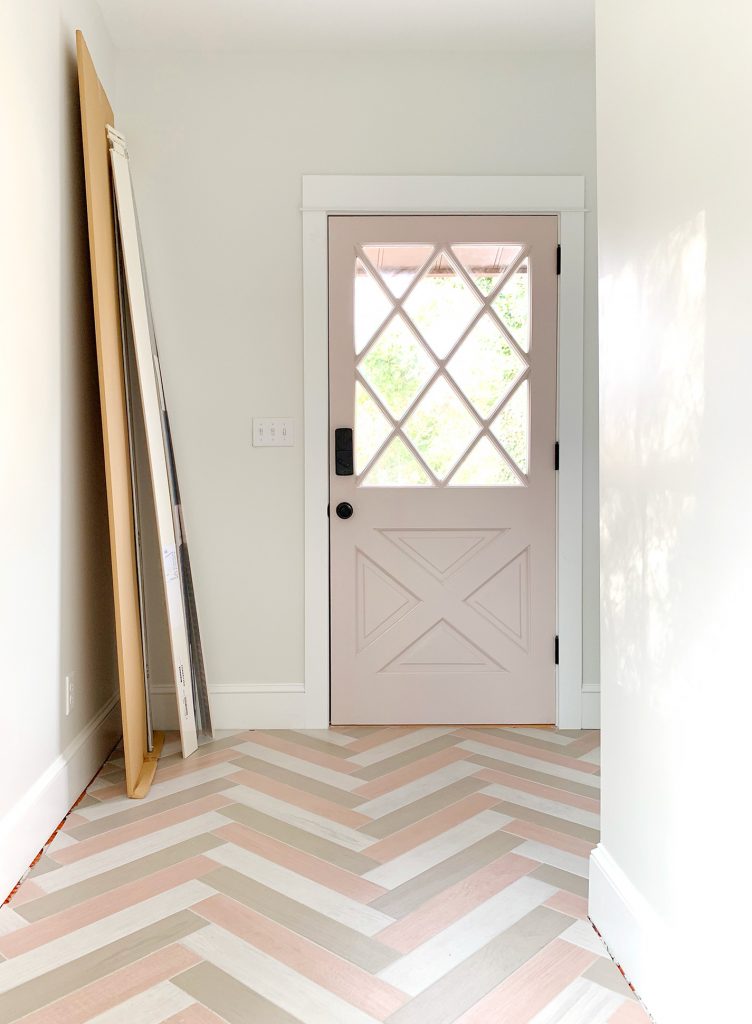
(556, 455)
(556, 650)
(558, 259)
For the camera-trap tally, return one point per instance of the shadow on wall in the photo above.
(87, 636)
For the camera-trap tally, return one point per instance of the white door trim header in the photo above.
(324, 195)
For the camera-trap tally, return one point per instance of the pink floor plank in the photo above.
(25, 893)
(630, 1012)
(99, 907)
(336, 764)
(531, 988)
(452, 904)
(497, 740)
(562, 841)
(137, 829)
(411, 772)
(346, 980)
(429, 827)
(378, 739)
(188, 765)
(568, 903)
(302, 863)
(299, 798)
(562, 796)
(74, 819)
(103, 994)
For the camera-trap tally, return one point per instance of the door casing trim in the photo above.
(327, 195)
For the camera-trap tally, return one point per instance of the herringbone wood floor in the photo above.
(406, 875)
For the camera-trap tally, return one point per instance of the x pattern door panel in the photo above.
(443, 359)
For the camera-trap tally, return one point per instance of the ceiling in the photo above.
(385, 25)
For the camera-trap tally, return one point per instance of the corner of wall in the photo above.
(636, 938)
(38, 811)
(591, 706)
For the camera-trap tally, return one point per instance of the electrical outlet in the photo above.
(273, 432)
(70, 692)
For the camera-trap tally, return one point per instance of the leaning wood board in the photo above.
(154, 411)
(96, 114)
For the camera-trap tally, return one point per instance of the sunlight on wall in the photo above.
(651, 417)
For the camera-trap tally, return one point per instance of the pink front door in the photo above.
(442, 349)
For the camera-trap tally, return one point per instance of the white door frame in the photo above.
(326, 195)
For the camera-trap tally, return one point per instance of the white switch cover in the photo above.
(272, 433)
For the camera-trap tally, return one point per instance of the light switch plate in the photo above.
(273, 432)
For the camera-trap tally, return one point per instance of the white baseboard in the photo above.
(634, 934)
(32, 819)
(591, 708)
(239, 706)
(281, 706)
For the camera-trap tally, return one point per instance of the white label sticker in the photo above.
(170, 560)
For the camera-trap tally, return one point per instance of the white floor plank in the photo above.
(151, 1007)
(556, 858)
(87, 867)
(431, 961)
(541, 803)
(399, 745)
(295, 764)
(434, 851)
(582, 934)
(95, 812)
(397, 798)
(298, 816)
(358, 916)
(530, 761)
(304, 999)
(27, 966)
(582, 1002)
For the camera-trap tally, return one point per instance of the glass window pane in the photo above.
(397, 467)
(512, 426)
(485, 366)
(441, 428)
(370, 308)
(484, 467)
(486, 263)
(397, 366)
(398, 264)
(371, 428)
(441, 306)
(513, 305)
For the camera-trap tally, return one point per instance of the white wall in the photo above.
(56, 613)
(218, 146)
(670, 892)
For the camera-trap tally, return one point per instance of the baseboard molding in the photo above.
(591, 708)
(32, 819)
(634, 934)
(239, 706)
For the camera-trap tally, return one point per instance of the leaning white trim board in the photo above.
(152, 410)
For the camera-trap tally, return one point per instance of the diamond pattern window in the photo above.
(512, 304)
(442, 392)
(398, 265)
(485, 366)
(396, 366)
(441, 306)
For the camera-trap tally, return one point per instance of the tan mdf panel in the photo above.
(96, 114)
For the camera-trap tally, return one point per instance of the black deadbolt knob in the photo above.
(344, 510)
